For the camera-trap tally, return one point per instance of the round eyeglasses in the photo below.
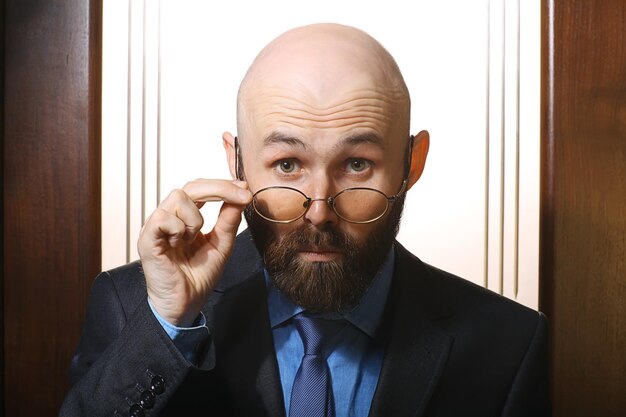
(359, 205)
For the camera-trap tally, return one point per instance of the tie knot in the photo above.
(313, 332)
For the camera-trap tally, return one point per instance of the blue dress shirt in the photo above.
(186, 339)
(354, 354)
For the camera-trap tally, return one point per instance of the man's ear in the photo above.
(228, 140)
(421, 143)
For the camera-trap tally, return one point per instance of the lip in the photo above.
(319, 254)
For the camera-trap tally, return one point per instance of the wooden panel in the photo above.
(583, 244)
(1, 203)
(51, 193)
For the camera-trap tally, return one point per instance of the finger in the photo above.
(182, 206)
(223, 234)
(162, 230)
(233, 192)
(241, 184)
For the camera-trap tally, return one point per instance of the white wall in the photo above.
(475, 210)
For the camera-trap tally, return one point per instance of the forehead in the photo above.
(328, 110)
(321, 83)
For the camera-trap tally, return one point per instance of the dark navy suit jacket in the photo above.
(452, 349)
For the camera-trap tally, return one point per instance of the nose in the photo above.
(320, 213)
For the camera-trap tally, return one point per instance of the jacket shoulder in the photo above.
(496, 358)
(446, 294)
(127, 282)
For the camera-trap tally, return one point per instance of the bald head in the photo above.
(323, 113)
(322, 67)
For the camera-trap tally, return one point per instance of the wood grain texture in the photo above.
(51, 193)
(1, 202)
(583, 218)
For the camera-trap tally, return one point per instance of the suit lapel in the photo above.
(415, 354)
(244, 349)
(416, 349)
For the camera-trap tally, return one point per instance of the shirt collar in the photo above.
(366, 316)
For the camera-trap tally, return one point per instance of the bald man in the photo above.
(315, 310)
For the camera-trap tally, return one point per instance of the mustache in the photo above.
(306, 237)
(333, 285)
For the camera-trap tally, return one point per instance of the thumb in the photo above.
(223, 234)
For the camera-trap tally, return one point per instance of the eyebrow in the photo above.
(277, 138)
(353, 140)
(358, 139)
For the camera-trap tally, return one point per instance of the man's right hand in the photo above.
(181, 264)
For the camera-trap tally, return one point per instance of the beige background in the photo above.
(170, 76)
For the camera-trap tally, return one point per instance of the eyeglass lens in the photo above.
(287, 204)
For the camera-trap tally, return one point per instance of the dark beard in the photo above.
(324, 286)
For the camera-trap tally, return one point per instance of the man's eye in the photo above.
(358, 165)
(286, 166)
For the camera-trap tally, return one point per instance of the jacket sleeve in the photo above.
(124, 360)
(529, 394)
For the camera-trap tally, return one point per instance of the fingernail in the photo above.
(244, 194)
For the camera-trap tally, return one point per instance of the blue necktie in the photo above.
(312, 395)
